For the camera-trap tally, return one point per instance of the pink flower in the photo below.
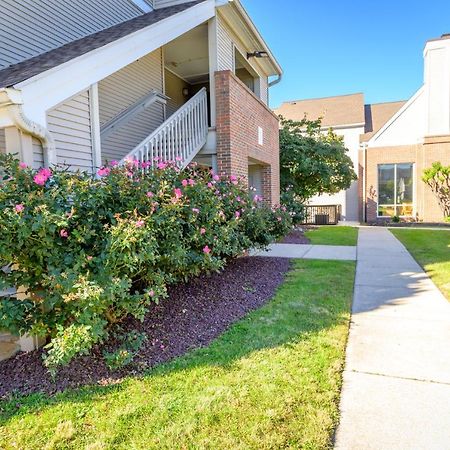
(47, 173)
(151, 293)
(210, 185)
(178, 159)
(233, 178)
(238, 199)
(195, 210)
(114, 163)
(19, 208)
(202, 231)
(206, 250)
(184, 183)
(139, 224)
(216, 178)
(63, 233)
(279, 219)
(161, 165)
(150, 194)
(257, 198)
(237, 214)
(191, 182)
(22, 165)
(89, 258)
(103, 171)
(40, 179)
(178, 193)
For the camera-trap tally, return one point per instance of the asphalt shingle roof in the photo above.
(334, 111)
(34, 66)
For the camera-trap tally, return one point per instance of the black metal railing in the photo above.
(322, 215)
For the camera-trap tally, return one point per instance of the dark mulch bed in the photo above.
(194, 314)
(297, 236)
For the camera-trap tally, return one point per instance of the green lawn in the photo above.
(333, 235)
(271, 381)
(431, 249)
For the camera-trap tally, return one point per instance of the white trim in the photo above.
(213, 66)
(95, 127)
(51, 87)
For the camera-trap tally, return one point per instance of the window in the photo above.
(396, 190)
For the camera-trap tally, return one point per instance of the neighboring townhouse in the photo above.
(86, 82)
(390, 144)
(345, 114)
(393, 159)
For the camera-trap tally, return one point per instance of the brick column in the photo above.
(246, 129)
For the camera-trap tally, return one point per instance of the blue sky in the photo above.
(334, 47)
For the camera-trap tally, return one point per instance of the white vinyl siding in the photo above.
(225, 48)
(2, 141)
(70, 126)
(264, 90)
(38, 154)
(31, 27)
(120, 91)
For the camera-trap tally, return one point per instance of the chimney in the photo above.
(437, 86)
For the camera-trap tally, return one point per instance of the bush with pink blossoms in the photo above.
(87, 252)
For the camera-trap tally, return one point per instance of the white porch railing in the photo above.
(180, 137)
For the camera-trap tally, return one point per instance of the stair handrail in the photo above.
(199, 98)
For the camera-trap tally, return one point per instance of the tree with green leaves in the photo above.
(437, 177)
(313, 162)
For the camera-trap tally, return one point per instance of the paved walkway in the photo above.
(396, 391)
(335, 252)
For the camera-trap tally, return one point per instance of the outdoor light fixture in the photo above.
(186, 92)
(257, 54)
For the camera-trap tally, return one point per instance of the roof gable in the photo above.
(377, 115)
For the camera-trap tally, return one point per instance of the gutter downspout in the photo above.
(276, 81)
(11, 101)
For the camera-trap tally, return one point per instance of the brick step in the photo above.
(7, 337)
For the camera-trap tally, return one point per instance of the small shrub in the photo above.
(395, 219)
(126, 352)
(86, 252)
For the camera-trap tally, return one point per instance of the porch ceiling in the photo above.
(187, 56)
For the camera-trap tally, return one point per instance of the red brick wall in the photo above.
(423, 156)
(239, 114)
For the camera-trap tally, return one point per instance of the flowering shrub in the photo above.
(88, 252)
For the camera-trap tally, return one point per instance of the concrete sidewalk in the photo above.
(332, 252)
(396, 391)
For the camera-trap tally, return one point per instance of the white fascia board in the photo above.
(44, 91)
(392, 120)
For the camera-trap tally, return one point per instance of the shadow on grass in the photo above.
(315, 297)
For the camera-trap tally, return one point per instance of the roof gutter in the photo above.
(12, 104)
